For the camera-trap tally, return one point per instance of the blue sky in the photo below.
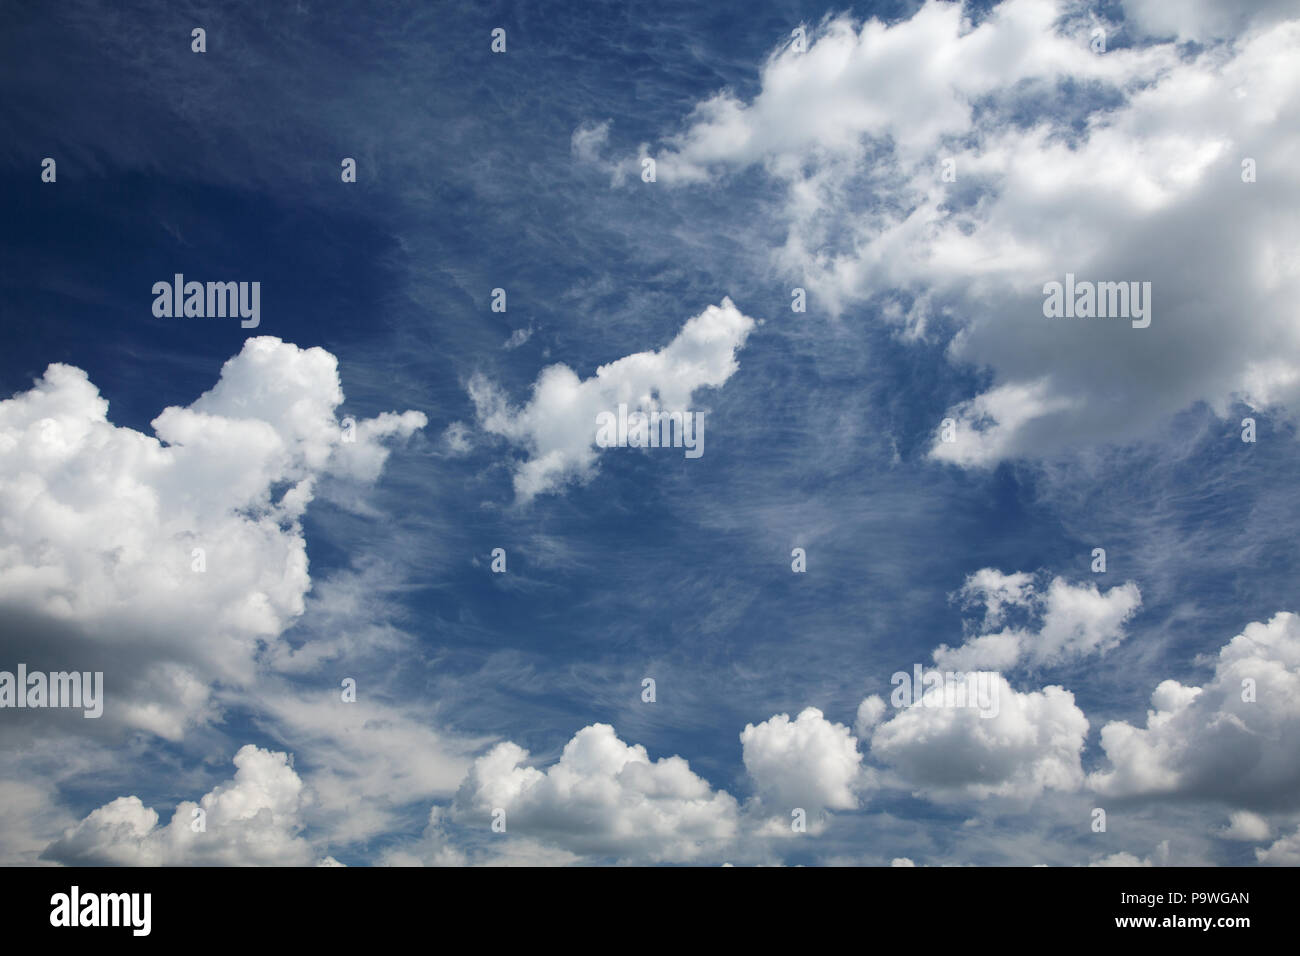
(777, 168)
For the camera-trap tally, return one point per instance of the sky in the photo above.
(365, 584)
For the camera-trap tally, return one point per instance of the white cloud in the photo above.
(100, 526)
(1208, 741)
(557, 427)
(1068, 621)
(1247, 826)
(457, 438)
(1285, 851)
(32, 819)
(1114, 181)
(869, 713)
(1124, 858)
(369, 761)
(253, 820)
(433, 849)
(1032, 743)
(588, 140)
(808, 762)
(517, 338)
(997, 592)
(1079, 620)
(602, 797)
(1201, 19)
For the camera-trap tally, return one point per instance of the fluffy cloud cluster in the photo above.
(557, 428)
(253, 820)
(1123, 165)
(1237, 739)
(1032, 743)
(1066, 621)
(602, 797)
(1283, 852)
(165, 561)
(1244, 825)
(807, 762)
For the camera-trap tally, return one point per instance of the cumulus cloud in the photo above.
(1236, 740)
(1107, 165)
(1247, 826)
(557, 428)
(808, 762)
(1284, 851)
(602, 797)
(166, 560)
(1065, 622)
(1032, 743)
(997, 592)
(253, 820)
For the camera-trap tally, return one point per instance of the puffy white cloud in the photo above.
(1000, 651)
(1079, 620)
(1244, 825)
(1285, 851)
(808, 762)
(1030, 743)
(602, 797)
(557, 428)
(997, 592)
(1120, 166)
(253, 820)
(825, 104)
(1214, 741)
(1064, 622)
(167, 561)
